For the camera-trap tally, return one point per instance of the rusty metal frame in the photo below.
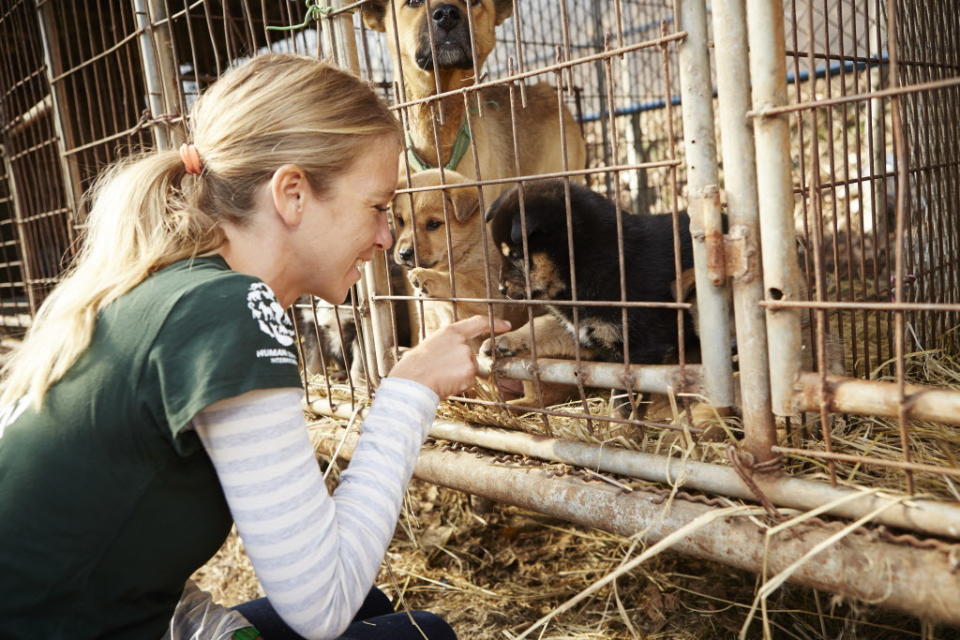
(900, 576)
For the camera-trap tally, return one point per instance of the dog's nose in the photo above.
(503, 289)
(446, 16)
(406, 254)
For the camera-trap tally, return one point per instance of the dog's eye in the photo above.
(434, 224)
(399, 221)
(413, 4)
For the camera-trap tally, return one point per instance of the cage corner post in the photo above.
(159, 71)
(706, 227)
(781, 271)
(740, 188)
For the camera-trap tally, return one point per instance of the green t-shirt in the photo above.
(107, 503)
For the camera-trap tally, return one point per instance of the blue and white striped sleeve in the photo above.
(315, 556)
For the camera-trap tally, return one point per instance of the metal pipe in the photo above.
(781, 272)
(699, 140)
(30, 116)
(604, 375)
(743, 247)
(342, 46)
(53, 63)
(169, 75)
(925, 516)
(152, 74)
(917, 581)
(873, 398)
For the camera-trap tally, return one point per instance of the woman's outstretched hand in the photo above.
(445, 360)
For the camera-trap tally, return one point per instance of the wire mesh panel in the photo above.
(612, 73)
(585, 28)
(927, 36)
(14, 304)
(38, 213)
(874, 138)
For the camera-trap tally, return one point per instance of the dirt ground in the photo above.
(493, 570)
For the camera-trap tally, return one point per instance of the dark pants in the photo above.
(375, 620)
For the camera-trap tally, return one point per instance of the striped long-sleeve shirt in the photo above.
(315, 555)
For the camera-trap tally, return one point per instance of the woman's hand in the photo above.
(445, 360)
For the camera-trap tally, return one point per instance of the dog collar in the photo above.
(459, 148)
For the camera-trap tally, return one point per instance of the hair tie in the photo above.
(190, 159)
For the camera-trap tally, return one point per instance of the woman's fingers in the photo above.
(476, 326)
(445, 361)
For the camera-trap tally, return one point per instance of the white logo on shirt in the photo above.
(269, 314)
(9, 413)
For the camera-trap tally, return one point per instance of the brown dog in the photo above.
(540, 144)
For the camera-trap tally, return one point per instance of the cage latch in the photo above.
(706, 225)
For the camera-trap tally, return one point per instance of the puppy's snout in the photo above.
(503, 289)
(406, 254)
(446, 16)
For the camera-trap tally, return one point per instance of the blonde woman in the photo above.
(156, 399)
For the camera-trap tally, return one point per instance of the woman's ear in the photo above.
(289, 188)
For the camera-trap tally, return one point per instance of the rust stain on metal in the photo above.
(716, 262)
(740, 255)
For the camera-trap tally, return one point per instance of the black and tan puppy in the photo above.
(649, 267)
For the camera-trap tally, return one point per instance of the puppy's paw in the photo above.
(506, 345)
(419, 278)
(430, 282)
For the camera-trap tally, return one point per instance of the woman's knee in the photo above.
(433, 625)
(404, 625)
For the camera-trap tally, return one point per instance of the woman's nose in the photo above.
(384, 239)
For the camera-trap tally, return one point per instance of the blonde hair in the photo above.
(147, 213)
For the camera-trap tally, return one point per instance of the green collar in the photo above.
(459, 148)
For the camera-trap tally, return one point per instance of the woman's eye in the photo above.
(433, 224)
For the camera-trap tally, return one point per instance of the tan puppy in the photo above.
(432, 218)
(540, 146)
(454, 213)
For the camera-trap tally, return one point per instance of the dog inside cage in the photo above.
(530, 229)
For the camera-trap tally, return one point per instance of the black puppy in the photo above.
(649, 268)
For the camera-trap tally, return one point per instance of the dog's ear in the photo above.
(497, 203)
(532, 224)
(374, 12)
(465, 202)
(504, 9)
